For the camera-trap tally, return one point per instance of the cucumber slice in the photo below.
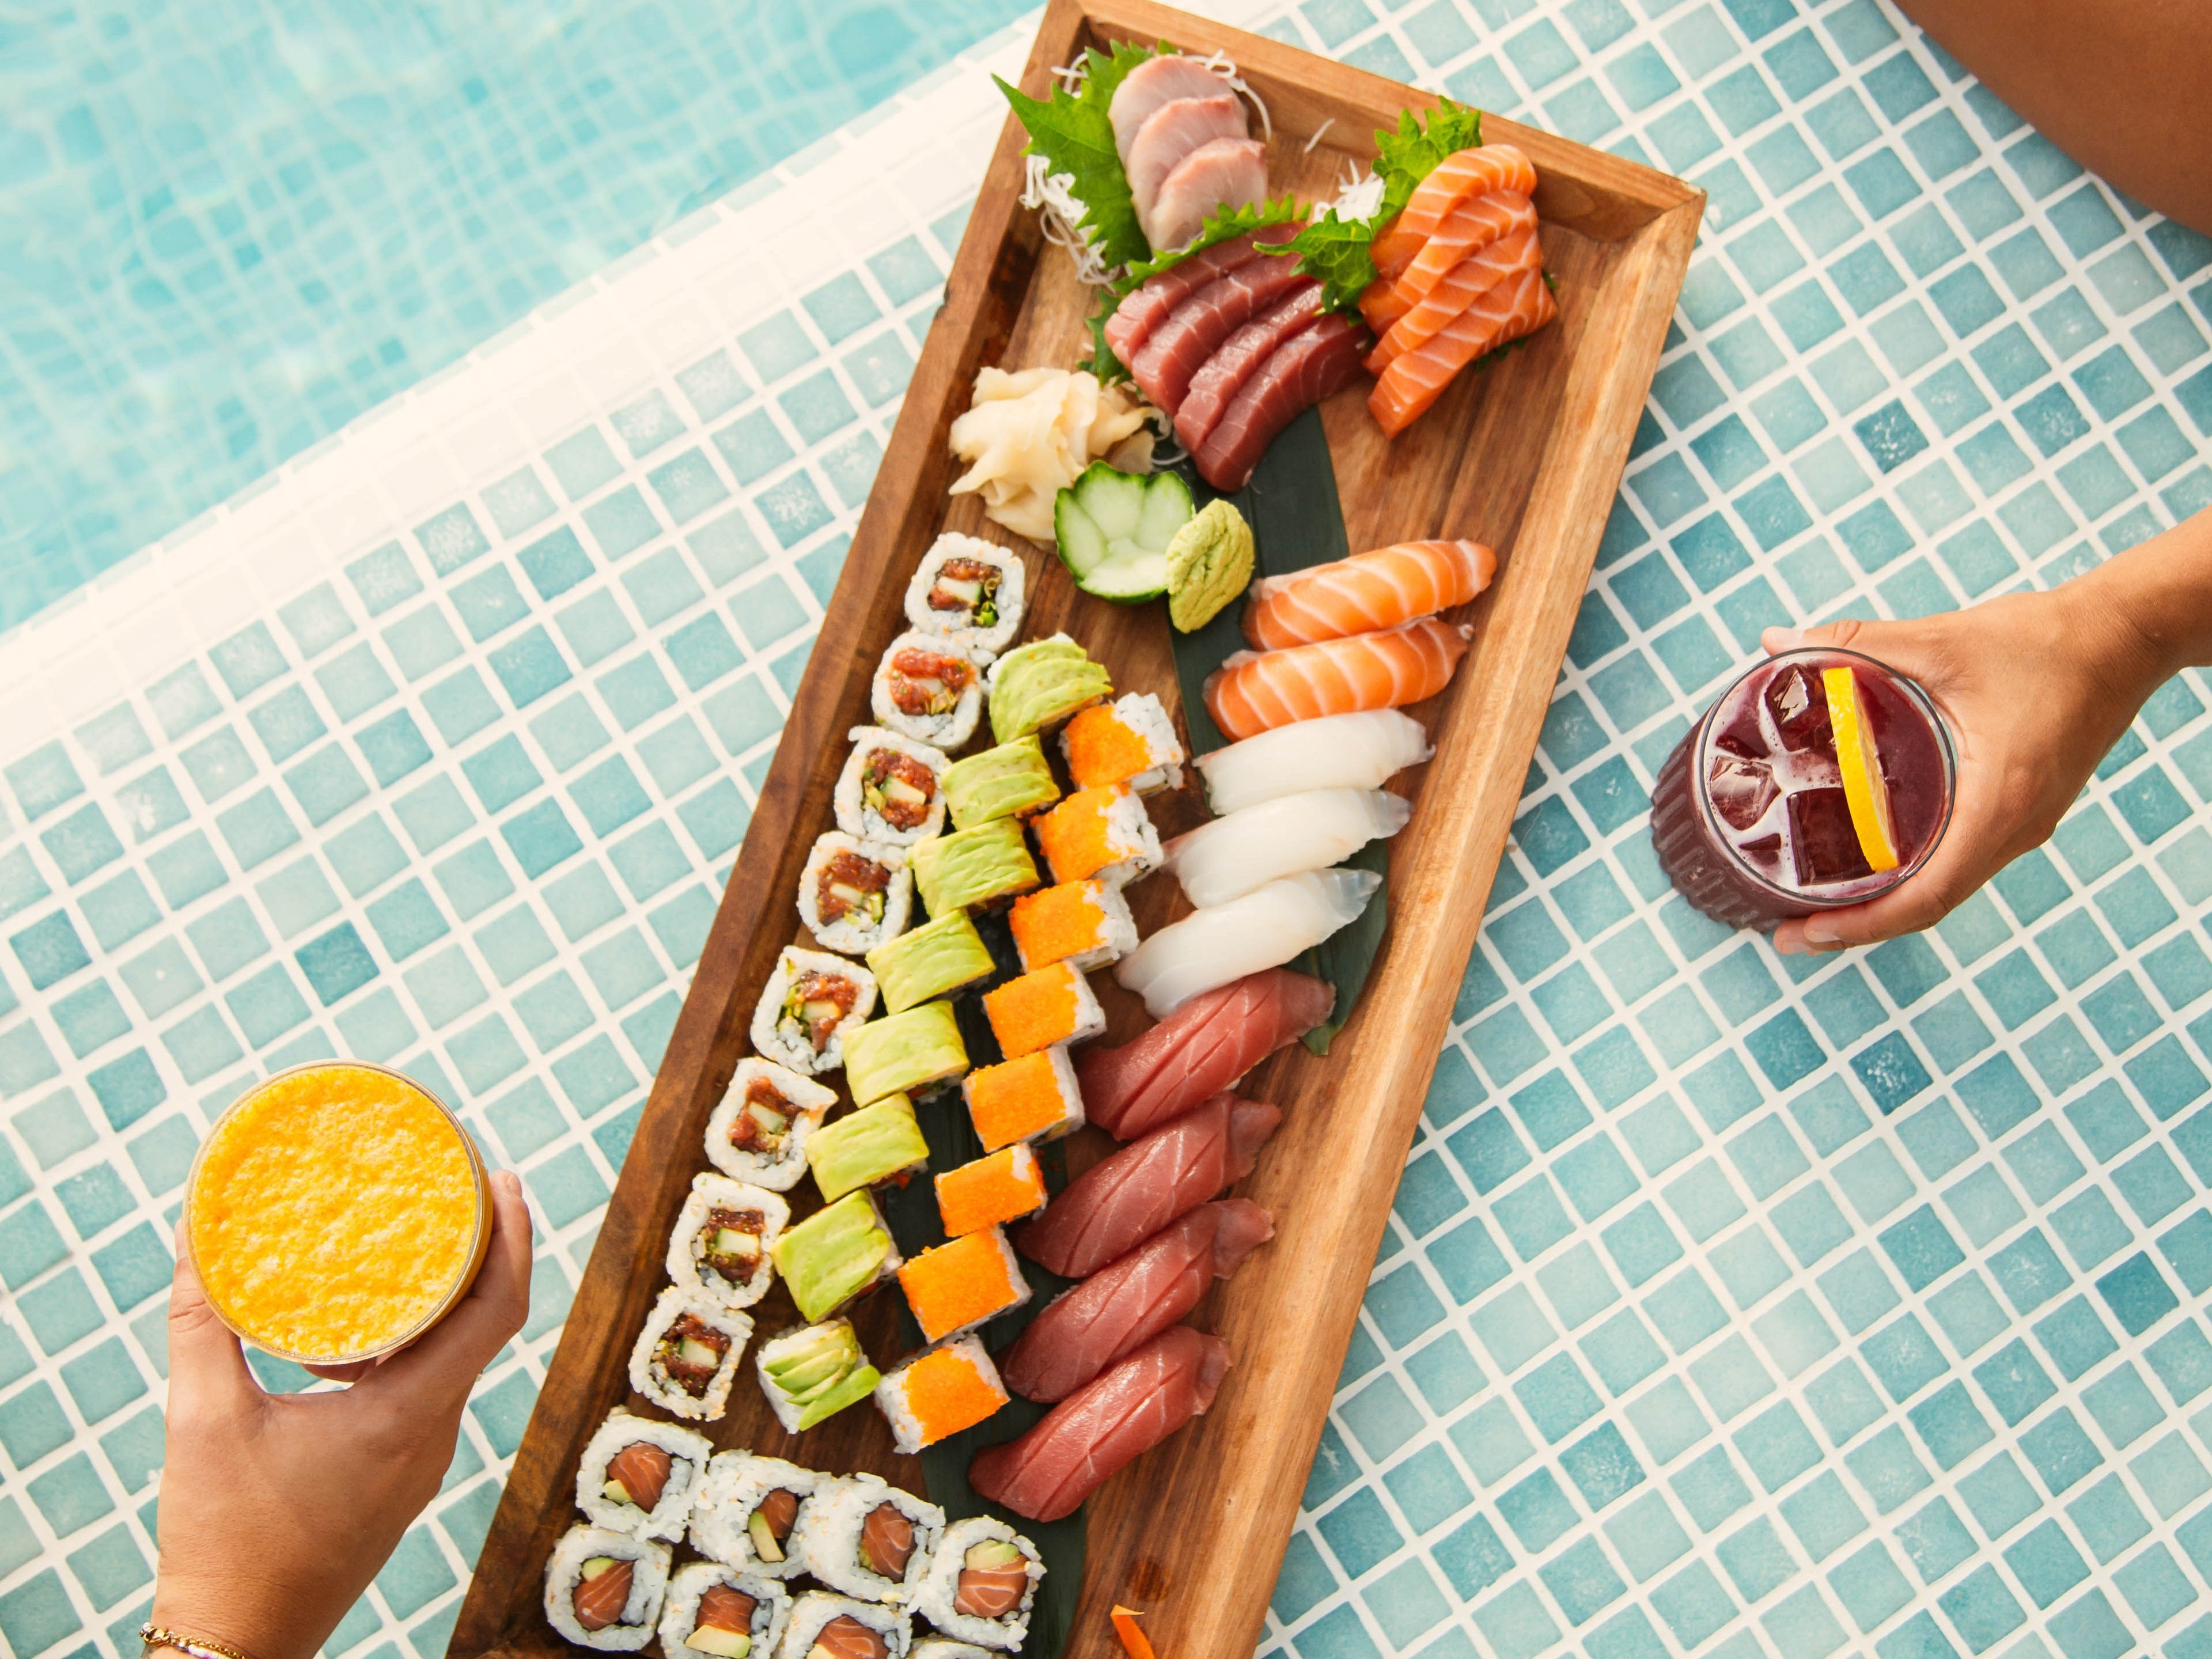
(1114, 528)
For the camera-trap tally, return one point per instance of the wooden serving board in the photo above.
(1526, 456)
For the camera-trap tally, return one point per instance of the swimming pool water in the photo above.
(227, 226)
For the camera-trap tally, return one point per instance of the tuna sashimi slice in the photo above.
(1216, 384)
(1472, 278)
(1518, 306)
(1254, 692)
(1364, 592)
(1145, 307)
(1199, 1050)
(1130, 1301)
(1046, 1472)
(1178, 348)
(1155, 81)
(1121, 1200)
(1306, 368)
(1171, 132)
(1221, 173)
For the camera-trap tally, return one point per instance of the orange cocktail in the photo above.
(336, 1213)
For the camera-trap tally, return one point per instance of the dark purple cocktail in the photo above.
(1750, 817)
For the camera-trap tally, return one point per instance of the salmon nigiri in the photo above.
(1257, 692)
(1477, 172)
(1366, 592)
(1520, 305)
(1469, 280)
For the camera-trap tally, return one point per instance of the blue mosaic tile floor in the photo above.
(228, 228)
(1731, 1304)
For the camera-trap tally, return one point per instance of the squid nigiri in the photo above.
(1365, 592)
(1338, 751)
(1520, 305)
(1264, 929)
(1254, 692)
(1230, 857)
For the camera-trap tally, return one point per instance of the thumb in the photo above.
(1914, 648)
(207, 1366)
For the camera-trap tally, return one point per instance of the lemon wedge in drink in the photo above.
(1865, 791)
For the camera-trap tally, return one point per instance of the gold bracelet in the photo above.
(156, 1636)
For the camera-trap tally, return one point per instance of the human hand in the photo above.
(277, 1510)
(2036, 689)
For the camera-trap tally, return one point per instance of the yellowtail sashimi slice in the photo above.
(1865, 791)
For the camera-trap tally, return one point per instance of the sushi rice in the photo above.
(733, 1282)
(701, 1399)
(856, 932)
(722, 1517)
(944, 1647)
(741, 1140)
(649, 1580)
(815, 1609)
(678, 1616)
(886, 817)
(939, 1598)
(787, 1025)
(946, 726)
(1337, 752)
(688, 1452)
(1286, 836)
(1265, 928)
(830, 1542)
(950, 602)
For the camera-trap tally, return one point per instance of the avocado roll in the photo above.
(603, 1588)
(638, 1475)
(892, 788)
(747, 1508)
(1038, 686)
(969, 591)
(811, 1001)
(715, 1612)
(840, 1251)
(905, 1054)
(928, 688)
(971, 868)
(811, 1372)
(686, 1358)
(757, 1133)
(866, 1537)
(720, 1240)
(855, 895)
(935, 959)
(877, 1144)
(981, 1583)
(1010, 781)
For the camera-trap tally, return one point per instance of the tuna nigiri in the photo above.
(1121, 1200)
(1469, 280)
(1128, 1303)
(1046, 1472)
(1265, 928)
(1254, 692)
(1365, 592)
(1518, 306)
(1478, 172)
(1201, 1049)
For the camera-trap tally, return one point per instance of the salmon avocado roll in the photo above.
(867, 1539)
(981, 1586)
(746, 1511)
(603, 1589)
(714, 1611)
(826, 1627)
(638, 1475)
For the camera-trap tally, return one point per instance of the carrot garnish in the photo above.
(1134, 1642)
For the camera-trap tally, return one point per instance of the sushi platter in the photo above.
(983, 1264)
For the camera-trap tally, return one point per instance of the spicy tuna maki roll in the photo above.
(811, 1001)
(746, 1509)
(719, 1245)
(638, 1475)
(826, 1627)
(686, 1358)
(892, 788)
(855, 895)
(758, 1131)
(981, 1583)
(603, 1589)
(863, 1536)
(969, 591)
(715, 1612)
(929, 689)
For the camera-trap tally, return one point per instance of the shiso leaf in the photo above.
(1071, 130)
(1340, 254)
(1338, 251)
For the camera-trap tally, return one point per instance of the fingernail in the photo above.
(1779, 639)
(1819, 937)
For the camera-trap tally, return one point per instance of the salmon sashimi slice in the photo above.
(1381, 305)
(1366, 592)
(1046, 1473)
(1155, 81)
(1204, 1046)
(1307, 367)
(1516, 306)
(1171, 132)
(1177, 349)
(1122, 1200)
(1222, 376)
(1128, 1303)
(1258, 691)
(1471, 279)
(1476, 172)
(1220, 172)
(1471, 226)
(1145, 307)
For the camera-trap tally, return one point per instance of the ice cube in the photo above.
(1800, 708)
(1824, 845)
(1742, 789)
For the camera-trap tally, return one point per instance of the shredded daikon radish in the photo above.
(1223, 65)
(1062, 214)
(1317, 132)
(1358, 196)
